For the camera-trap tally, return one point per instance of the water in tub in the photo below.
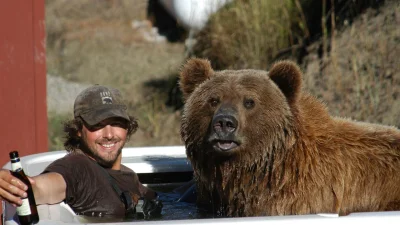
(173, 209)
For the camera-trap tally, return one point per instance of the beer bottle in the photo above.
(27, 212)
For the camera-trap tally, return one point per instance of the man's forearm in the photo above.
(49, 188)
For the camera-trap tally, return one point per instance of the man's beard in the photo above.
(107, 163)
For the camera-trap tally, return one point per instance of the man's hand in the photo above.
(152, 208)
(11, 188)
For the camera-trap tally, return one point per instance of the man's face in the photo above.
(105, 140)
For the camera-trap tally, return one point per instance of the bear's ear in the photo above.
(194, 72)
(287, 75)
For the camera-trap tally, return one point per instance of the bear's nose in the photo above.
(224, 124)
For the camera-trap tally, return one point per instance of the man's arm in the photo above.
(48, 188)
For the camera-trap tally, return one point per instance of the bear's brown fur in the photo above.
(259, 145)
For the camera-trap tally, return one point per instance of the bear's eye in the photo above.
(214, 102)
(248, 103)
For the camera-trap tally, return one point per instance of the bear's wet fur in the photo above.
(260, 145)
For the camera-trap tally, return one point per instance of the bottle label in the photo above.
(16, 166)
(25, 208)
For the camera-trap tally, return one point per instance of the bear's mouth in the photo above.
(224, 145)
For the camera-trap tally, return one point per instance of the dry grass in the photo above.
(361, 77)
(249, 34)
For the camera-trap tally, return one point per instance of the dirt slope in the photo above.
(361, 76)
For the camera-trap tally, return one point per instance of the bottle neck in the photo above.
(16, 165)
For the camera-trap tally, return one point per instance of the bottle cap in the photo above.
(14, 154)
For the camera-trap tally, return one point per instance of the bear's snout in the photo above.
(223, 131)
(224, 125)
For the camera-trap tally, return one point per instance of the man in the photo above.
(90, 178)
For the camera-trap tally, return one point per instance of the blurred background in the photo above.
(348, 50)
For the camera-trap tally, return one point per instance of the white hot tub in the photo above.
(158, 166)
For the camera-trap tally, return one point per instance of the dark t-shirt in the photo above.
(89, 192)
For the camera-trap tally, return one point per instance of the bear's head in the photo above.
(235, 112)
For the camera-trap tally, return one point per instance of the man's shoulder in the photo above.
(73, 160)
(126, 169)
(74, 156)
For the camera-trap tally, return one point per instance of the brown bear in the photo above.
(260, 146)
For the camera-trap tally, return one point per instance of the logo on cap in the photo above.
(106, 97)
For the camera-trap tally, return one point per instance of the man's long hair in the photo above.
(74, 126)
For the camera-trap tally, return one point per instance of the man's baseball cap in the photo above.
(98, 103)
